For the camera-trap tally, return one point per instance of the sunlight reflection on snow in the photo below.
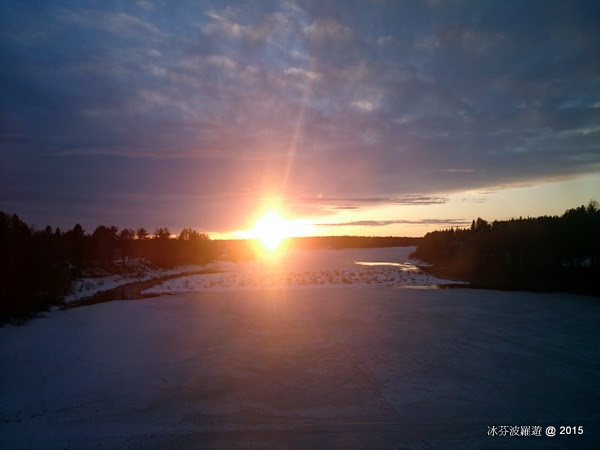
(309, 269)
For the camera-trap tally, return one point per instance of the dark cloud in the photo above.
(329, 105)
(398, 200)
(383, 223)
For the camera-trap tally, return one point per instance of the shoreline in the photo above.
(532, 285)
(130, 291)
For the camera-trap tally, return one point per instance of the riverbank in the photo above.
(130, 291)
(575, 282)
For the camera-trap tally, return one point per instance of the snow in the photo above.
(138, 271)
(295, 268)
(310, 269)
(351, 367)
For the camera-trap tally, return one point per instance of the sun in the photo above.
(270, 230)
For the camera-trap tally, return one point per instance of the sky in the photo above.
(348, 117)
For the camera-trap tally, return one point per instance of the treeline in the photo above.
(38, 266)
(548, 253)
(339, 242)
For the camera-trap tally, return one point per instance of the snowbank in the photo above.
(136, 271)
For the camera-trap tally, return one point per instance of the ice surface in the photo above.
(355, 367)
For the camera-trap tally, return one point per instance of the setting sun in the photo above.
(271, 229)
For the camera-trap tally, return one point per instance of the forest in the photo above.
(547, 253)
(38, 266)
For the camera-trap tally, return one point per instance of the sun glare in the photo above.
(270, 230)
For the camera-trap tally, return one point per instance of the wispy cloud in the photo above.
(224, 23)
(145, 4)
(351, 202)
(383, 223)
(583, 131)
(322, 29)
(113, 22)
(364, 105)
(458, 170)
(302, 73)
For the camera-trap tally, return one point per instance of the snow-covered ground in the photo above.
(137, 270)
(296, 268)
(310, 269)
(353, 367)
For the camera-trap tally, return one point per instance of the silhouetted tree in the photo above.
(126, 234)
(125, 241)
(543, 252)
(142, 234)
(104, 242)
(33, 267)
(76, 241)
(162, 233)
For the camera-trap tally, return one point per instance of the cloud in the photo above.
(428, 42)
(385, 40)
(201, 63)
(154, 53)
(302, 73)
(323, 29)
(364, 105)
(113, 22)
(456, 170)
(383, 223)
(221, 61)
(145, 4)
(472, 38)
(355, 202)
(151, 152)
(583, 131)
(226, 14)
(224, 23)
(228, 29)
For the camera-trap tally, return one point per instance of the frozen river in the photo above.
(309, 269)
(287, 367)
